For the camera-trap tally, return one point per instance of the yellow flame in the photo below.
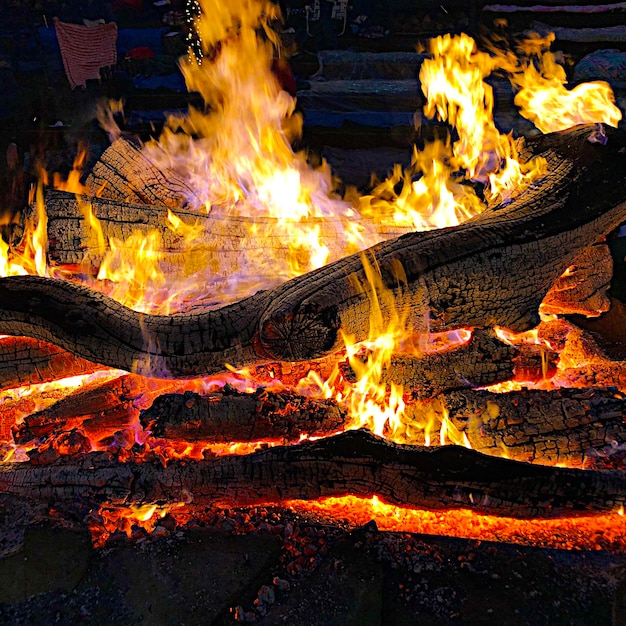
(544, 99)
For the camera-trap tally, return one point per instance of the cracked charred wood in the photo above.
(558, 426)
(96, 327)
(98, 409)
(229, 416)
(493, 269)
(355, 462)
(581, 289)
(483, 360)
(125, 173)
(586, 359)
(188, 243)
(26, 361)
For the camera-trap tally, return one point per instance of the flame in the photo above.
(372, 403)
(544, 99)
(109, 519)
(31, 259)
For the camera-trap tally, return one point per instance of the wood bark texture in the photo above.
(26, 361)
(493, 269)
(125, 173)
(355, 462)
(230, 416)
(559, 426)
(98, 409)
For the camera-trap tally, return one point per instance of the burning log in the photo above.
(72, 242)
(126, 174)
(354, 462)
(559, 426)
(229, 415)
(484, 360)
(493, 269)
(581, 290)
(25, 361)
(99, 408)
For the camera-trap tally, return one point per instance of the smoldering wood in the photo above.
(177, 412)
(229, 416)
(355, 462)
(586, 358)
(483, 360)
(558, 426)
(493, 269)
(569, 426)
(27, 361)
(582, 288)
(98, 409)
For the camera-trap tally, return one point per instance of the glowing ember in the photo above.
(237, 157)
(110, 519)
(595, 532)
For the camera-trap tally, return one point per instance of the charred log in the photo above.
(483, 360)
(581, 290)
(229, 416)
(26, 361)
(125, 173)
(355, 462)
(560, 426)
(71, 239)
(98, 409)
(494, 269)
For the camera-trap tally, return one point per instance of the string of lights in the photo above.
(193, 11)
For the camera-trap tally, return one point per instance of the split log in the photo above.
(559, 426)
(230, 416)
(355, 463)
(124, 172)
(218, 243)
(26, 361)
(581, 290)
(99, 409)
(493, 269)
(484, 360)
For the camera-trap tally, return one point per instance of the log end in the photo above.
(308, 331)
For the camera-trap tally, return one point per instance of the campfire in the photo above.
(202, 321)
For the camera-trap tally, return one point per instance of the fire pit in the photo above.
(362, 370)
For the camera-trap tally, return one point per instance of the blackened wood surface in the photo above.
(355, 462)
(26, 361)
(230, 416)
(566, 426)
(494, 269)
